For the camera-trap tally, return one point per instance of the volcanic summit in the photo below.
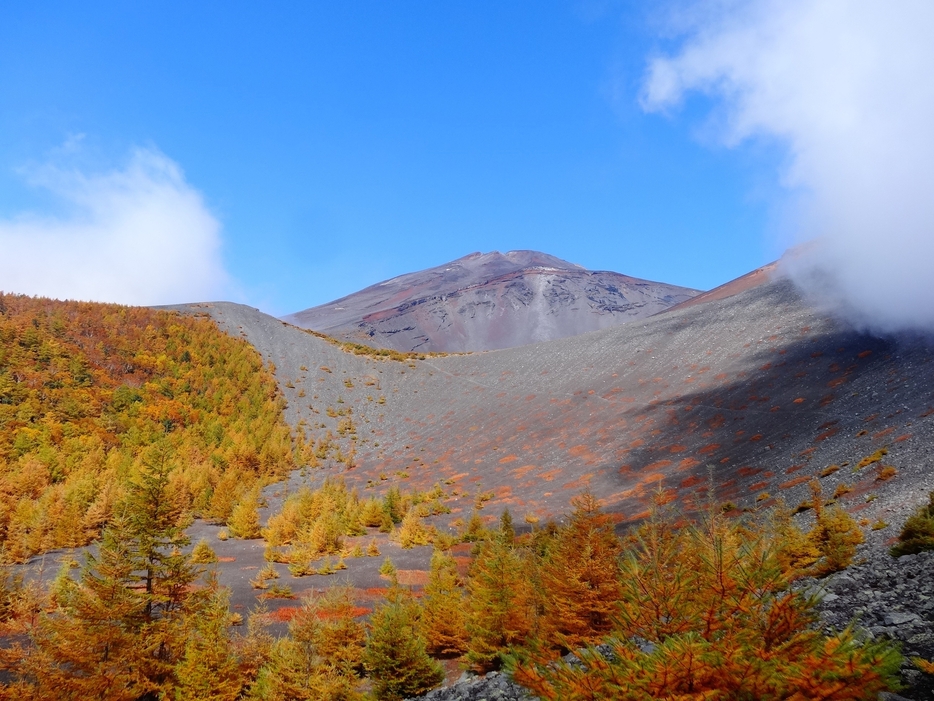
(488, 301)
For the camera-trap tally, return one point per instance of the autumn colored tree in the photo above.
(501, 603)
(580, 578)
(118, 632)
(322, 656)
(371, 513)
(412, 531)
(474, 530)
(828, 547)
(244, 519)
(153, 527)
(395, 657)
(90, 645)
(388, 570)
(327, 624)
(209, 669)
(292, 675)
(393, 506)
(203, 553)
(506, 527)
(707, 613)
(443, 621)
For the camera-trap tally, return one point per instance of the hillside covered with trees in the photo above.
(90, 393)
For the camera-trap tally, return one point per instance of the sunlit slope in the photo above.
(90, 392)
(757, 390)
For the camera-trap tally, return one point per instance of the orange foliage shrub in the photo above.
(707, 614)
(827, 548)
(580, 578)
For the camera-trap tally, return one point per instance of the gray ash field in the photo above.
(756, 390)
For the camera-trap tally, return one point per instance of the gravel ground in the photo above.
(757, 389)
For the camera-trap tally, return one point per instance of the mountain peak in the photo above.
(485, 301)
(520, 259)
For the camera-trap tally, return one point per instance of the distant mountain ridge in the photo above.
(487, 301)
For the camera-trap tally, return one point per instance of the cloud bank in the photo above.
(140, 235)
(849, 88)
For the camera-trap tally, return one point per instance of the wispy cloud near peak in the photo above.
(847, 87)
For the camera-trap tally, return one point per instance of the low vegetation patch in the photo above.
(374, 353)
(918, 532)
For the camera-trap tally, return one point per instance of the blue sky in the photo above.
(338, 144)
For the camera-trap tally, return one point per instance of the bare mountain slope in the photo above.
(489, 301)
(757, 386)
(751, 391)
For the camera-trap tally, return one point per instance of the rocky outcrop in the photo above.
(494, 686)
(889, 599)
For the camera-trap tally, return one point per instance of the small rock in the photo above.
(899, 618)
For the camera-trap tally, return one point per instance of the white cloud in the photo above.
(140, 235)
(848, 87)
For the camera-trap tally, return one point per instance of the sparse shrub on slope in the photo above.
(918, 532)
(85, 388)
(707, 614)
(827, 548)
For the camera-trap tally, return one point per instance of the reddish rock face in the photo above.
(489, 301)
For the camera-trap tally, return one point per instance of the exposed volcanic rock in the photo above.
(888, 598)
(489, 301)
(469, 687)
